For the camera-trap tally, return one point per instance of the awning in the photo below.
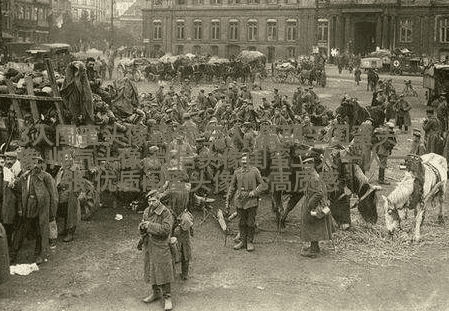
(233, 20)
(252, 21)
(180, 21)
(271, 21)
(197, 21)
(291, 20)
(157, 21)
(215, 20)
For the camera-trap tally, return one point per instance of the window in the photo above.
(197, 50)
(322, 31)
(234, 1)
(27, 13)
(291, 30)
(157, 30)
(197, 30)
(272, 1)
(233, 31)
(291, 52)
(215, 30)
(180, 2)
(21, 12)
(252, 30)
(198, 2)
(215, 1)
(405, 29)
(253, 1)
(34, 14)
(180, 30)
(272, 30)
(444, 30)
(214, 50)
(179, 49)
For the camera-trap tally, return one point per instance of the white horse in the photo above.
(434, 190)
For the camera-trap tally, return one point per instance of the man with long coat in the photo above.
(155, 227)
(39, 202)
(403, 117)
(314, 228)
(431, 127)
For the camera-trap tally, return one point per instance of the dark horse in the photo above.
(349, 175)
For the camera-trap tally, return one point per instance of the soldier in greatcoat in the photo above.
(315, 226)
(431, 127)
(156, 227)
(403, 117)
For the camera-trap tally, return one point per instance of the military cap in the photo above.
(186, 115)
(417, 133)
(153, 149)
(247, 123)
(168, 110)
(38, 158)
(151, 194)
(369, 119)
(401, 95)
(213, 120)
(389, 124)
(151, 121)
(243, 86)
(266, 121)
(173, 153)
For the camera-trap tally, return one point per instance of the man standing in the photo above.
(245, 187)
(155, 228)
(386, 141)
(431, 127)
(38, 208)
(402, 109)
(418, 147)
(315, 225)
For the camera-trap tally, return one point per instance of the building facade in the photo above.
(288, 28)
(225, 28)
(131, 19)
(93, 10)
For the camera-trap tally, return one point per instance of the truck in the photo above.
(436, 81)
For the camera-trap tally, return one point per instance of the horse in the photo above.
(434, 189)
(355, 113)
(349, 175)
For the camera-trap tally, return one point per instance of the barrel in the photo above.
(4, 256)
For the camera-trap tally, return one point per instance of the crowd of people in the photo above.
(189, 134)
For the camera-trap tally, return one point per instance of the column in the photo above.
(378, 42)
(338, 32)
(348, 34)
(385, 39)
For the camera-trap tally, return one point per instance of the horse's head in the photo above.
(392, 219)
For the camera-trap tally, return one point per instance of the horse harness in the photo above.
(438, 182)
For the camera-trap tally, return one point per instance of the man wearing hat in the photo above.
(442, 111)
(362, 144)
(384, 142)
(431, 127)
(38, 208)
(191, 129)
(297, 101)
(245, 93)
(418, 147)
(277, 98)
(11, 172)
(201, 100)
(245, 188)
(315, 225)
(160, 94)
(267, 141)
(403, 117)
(155, 228)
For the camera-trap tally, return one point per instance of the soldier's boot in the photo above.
(185, 269)
(168, 305)
(243, 239)
(311, 251)
(70, 235)
(382, 177)
(250, 237)
(155, 294)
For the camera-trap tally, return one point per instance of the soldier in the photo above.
(431, 127)
(297, 101)
(277, 98)
(418, 147)
(160, 94)
(245, 187)
(384, 149)
(202, 100)
(278, 118)
(248, 135)
(442, 113)
(267, 141)
(245, 94)
(403, 117)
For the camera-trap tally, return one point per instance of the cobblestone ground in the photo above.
(102, 270)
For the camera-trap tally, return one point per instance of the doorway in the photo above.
(364, 38)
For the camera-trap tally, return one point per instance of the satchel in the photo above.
(322, 209)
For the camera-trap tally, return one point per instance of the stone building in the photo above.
(223, 29)
(288, 28)
(131, 19)
(93, 10)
